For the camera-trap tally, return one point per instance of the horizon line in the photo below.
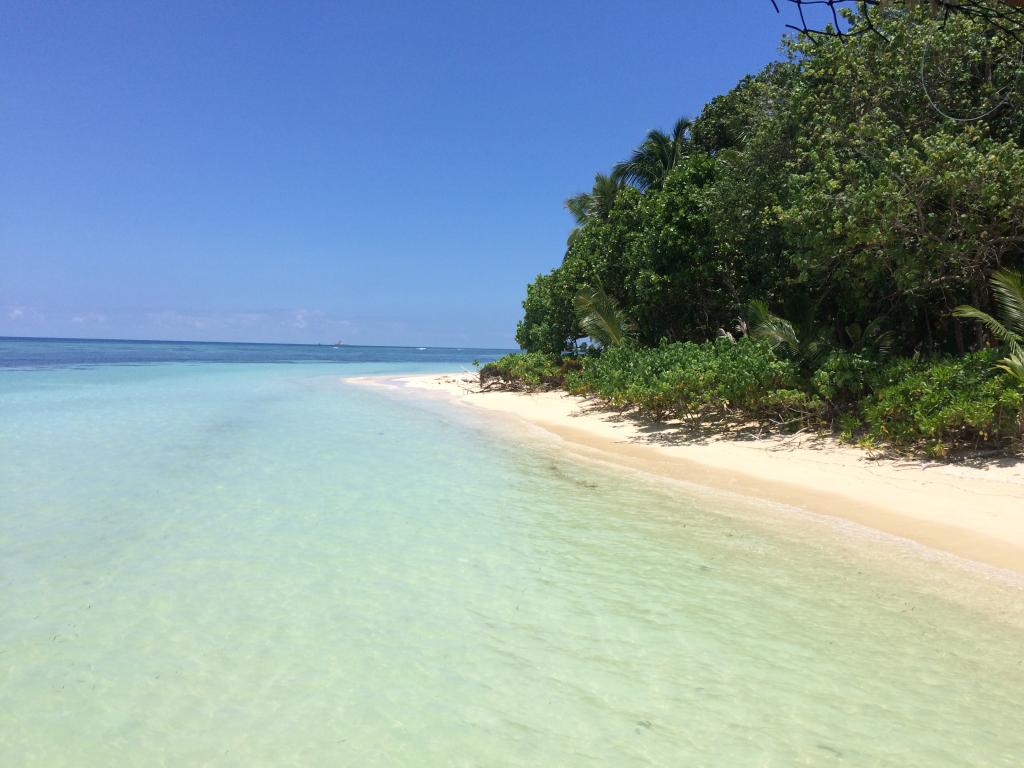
(261, 343)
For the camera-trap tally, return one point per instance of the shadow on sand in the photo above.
(708, 428)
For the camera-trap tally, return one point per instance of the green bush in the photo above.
(686, 379)
(933, 405)
(943, 404)
(845, 377)
(525, 370)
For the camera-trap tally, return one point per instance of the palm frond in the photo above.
(641, 170)
(884, 342)
(1008, 287)
(871, 338)
(757, 313)
(681, 130)
(681, 134)
(601, 318)
(996, 328)
(779, 333)
(579, 206)
(856, 334)
(1013, 365)
(596, 204)
(659, 153)
(605, 191)
(814, 349)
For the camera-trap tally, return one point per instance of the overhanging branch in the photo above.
(826, 18)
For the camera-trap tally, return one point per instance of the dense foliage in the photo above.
(839, 205)
(954, 401)
(694, 381)
(934, 405)
(833, 183)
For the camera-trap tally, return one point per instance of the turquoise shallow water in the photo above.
(234, 564)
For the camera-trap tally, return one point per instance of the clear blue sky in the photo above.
(381, 173)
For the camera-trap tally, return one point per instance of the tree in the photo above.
(850, 18)
(598, 203)
(824, 181)
(892, 208)
(659, 153)
(549, 322)
(595, 205)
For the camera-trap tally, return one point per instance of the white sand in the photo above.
(976, 512)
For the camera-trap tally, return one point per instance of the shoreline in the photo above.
(975, 513)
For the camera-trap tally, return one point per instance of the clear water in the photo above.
(253, 564)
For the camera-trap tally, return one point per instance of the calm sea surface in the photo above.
(223, 555)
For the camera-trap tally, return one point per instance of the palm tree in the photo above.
(601, 317)
(655, 157)
(595, 205)
(806, 344)
(1008, 287)
(871, 339)
(778, 332)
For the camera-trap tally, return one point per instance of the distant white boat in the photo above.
(421, 348)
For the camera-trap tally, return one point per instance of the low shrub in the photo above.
(690, 380)
(943, 404)
(845, 377)
(525, 370)
(932, 405)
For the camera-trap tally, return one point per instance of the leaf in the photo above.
(779, 333)
(1013, 365)
(601, 318)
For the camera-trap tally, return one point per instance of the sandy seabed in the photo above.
(972, 511)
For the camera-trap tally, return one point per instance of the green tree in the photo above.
(549, 321)
(596, 204)
(827, 180)
(659, 153)
(890, 206)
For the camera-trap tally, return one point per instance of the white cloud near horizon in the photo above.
(22, 314)
(89, 318)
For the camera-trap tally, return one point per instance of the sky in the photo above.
(376, 173)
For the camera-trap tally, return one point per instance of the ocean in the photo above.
(226, 555)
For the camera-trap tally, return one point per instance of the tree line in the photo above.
(835, 243)
(851, 184)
